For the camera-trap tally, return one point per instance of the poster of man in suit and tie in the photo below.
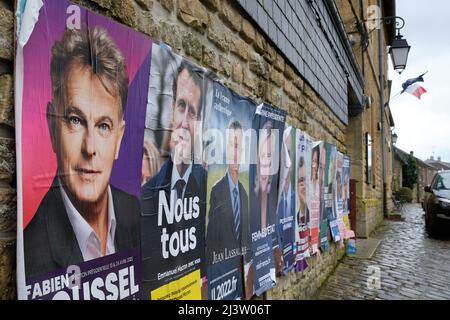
(330, 210)
(227, 150)
(314, 195)
(286, 200)
(173, 206)
(82, 80)
(346, 193)
(303, 190)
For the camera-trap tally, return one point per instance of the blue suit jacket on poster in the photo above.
(282, 214)
(153, 261)
(220, 233)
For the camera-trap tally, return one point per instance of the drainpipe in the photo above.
(380, 63)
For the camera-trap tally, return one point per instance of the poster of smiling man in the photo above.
(227, 136)
(303, 191)
(338, 195)
(81, 94)
(328, 211)
(174, 180)
(314, 195)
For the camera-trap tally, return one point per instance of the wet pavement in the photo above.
(408, 264)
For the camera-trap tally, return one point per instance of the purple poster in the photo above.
(81, 88)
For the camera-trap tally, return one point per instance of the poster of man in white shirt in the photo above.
(82, 133)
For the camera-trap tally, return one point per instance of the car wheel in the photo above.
(430, 225)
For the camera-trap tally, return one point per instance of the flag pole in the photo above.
(398, 94)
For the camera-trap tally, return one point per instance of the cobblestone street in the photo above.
(412, 265)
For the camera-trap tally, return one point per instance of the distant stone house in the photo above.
(397, 169)
(438, 164)
(425, 173)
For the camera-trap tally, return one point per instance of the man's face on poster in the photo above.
(234, 149)
(301, 186)
(88, 133)
(186, 112)
(265, 162)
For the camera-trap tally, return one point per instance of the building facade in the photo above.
(364, 136)
(309, 57)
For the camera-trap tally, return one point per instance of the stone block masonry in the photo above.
(218, 35)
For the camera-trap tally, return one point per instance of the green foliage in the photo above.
(410, 174)
(405, 194)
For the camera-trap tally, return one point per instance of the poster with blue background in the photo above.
(227, 137)
(268, 124)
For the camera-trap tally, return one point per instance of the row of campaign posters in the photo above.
(141, 176)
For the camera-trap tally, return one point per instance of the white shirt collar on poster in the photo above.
(87, 239)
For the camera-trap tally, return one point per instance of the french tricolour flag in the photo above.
(413, 87)
(416, 90)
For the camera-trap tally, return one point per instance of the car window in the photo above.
(445, 181)
(435, 183)
(442, 181)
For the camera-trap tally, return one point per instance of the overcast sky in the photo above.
(423, 126)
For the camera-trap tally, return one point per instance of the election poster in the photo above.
(339, 197)
(81, 95)
(286, 200)
(227, 136)
(329, 191)
(338, 187)
(326, 197)
(346, 196)
(173, 182)
(303, 194)
(268, 123)
(346, 184)
(314, 195)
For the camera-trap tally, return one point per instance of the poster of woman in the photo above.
(315, 195)
(268, 124)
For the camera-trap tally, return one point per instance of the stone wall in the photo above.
(216, 34)
(397, 176)
(304, 285)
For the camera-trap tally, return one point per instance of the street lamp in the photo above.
(399, 53)
(399, 49)
(394, 138)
